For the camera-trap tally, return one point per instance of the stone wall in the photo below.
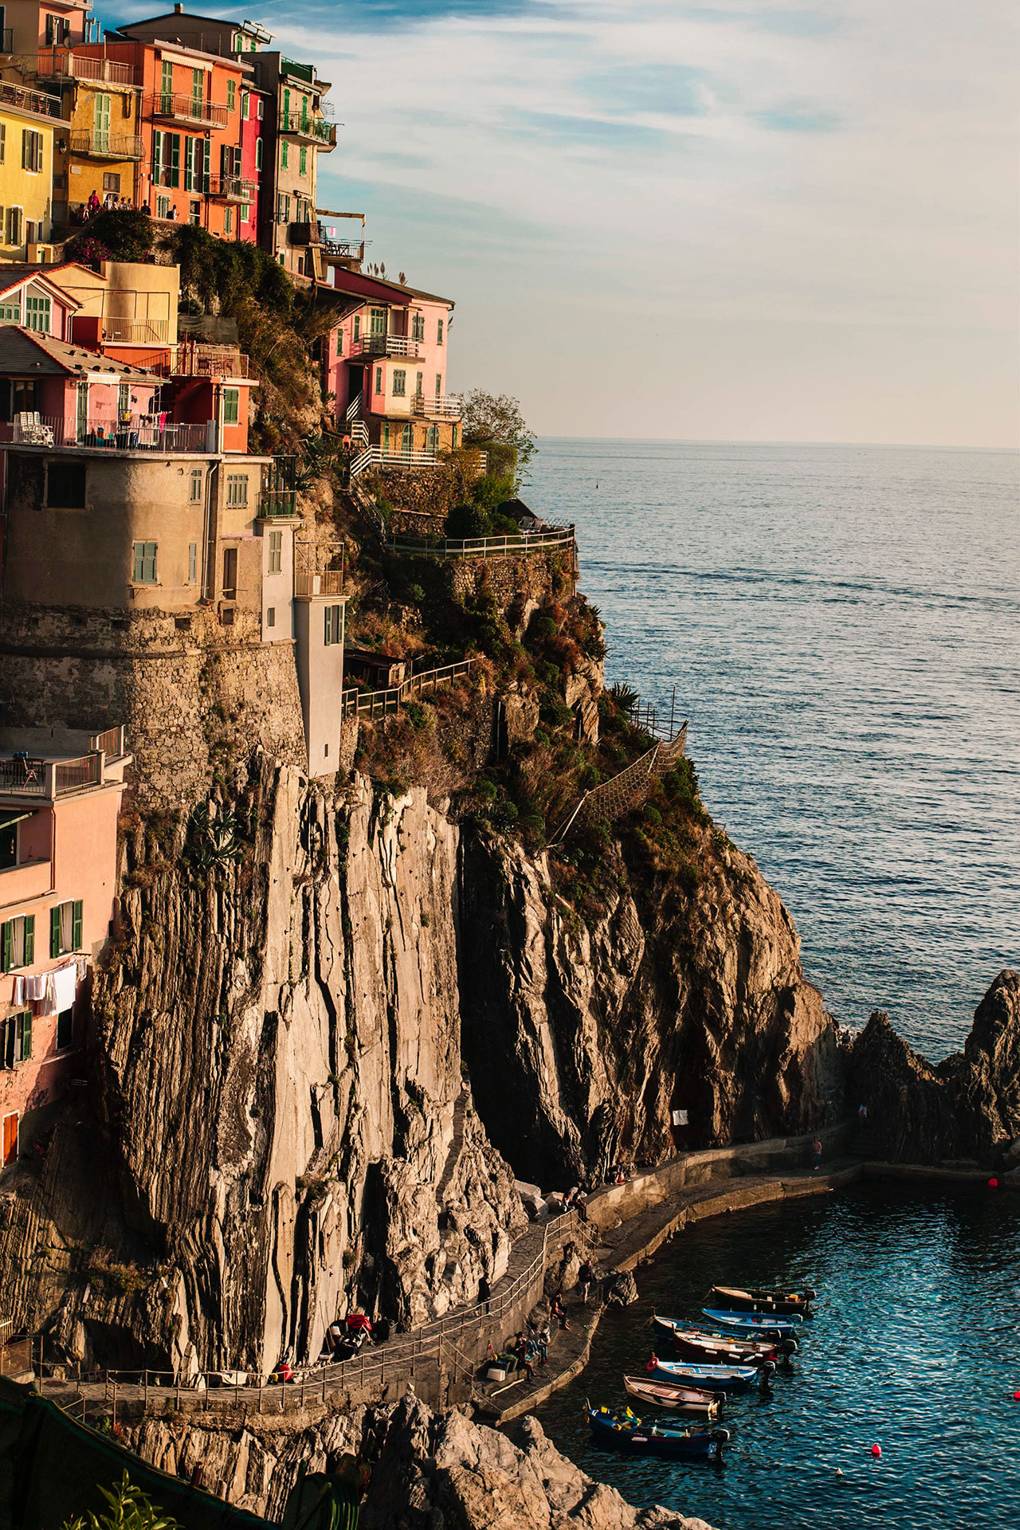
(532, 577)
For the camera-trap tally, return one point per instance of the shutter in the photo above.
(29, 940)
(76, 926)
(55, 930)
(206, 158)
(26, 1035)
(174, 143)
(6, 939)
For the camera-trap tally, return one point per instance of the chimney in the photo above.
(178, 8)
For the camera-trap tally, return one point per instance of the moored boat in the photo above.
(677, 1398)
(702, 1346)
(762, 1299)
(748, 1321)
(708, 1378)
(623, 1430)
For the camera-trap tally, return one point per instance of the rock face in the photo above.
(429, 1472)
(582, 1037)
(965, 1109)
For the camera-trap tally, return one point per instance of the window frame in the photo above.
(8, 929)
(66, 926)
(274, 560)
(399, 382)
(237, 491)
(231, 406)
(16, 1039)
(144, 556)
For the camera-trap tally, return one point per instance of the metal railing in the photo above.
(185, 108)
(66, 64)
(329, 582)
(315, 129)
(193, 358)
(140, 433)
(449, 406)
(277, 502)
(28, 100)
(386, 345)
(392, 1362)
(383, 457)
(486, 547)
(101, 145)
(629, 787)
(341, 249)
(355, 703)
(25, 775)
(135, 331)
(231, 188)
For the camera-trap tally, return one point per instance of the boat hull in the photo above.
(694, 1402)
(708, 1378)
(748, 1322)
(632, 1436)
(732, 1299)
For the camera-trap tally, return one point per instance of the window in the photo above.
(245, 213)
(260, 109)
(192, 562)
(230, 573)
(197, 484)
(432, 438)
(258, 154)
(123, 400)
(418, 327)
(65, 1029)
(65, 928)
(357, 326)
(282, 207)
(284, 155)
(15, 222)
(377, 321)
(17, 943)
(439, 385)
(166, 159)
(231, 406)
(65, 485)
(162, 207)
(8, 844)
(439, 331)
(231, 95)
(333, 625)
(419, 384)
(245, 105)
(143, 562)
(237, 489)
(228, 220)
(399, 383)
(37, 314)
(195, 214)
(198, 92)
(16, 1039)
(378, 379)
(111, 181)
(10, 313)
(455, 437)
(31, 150)
(303, 161)
(3, 142)
(270, 616)
(275, 552)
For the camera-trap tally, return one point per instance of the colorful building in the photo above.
(31, 25)
(101, 149)
(60, 794)
(28, 122)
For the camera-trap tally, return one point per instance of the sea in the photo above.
(840, 626)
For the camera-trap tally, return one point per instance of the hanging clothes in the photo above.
(65, 986)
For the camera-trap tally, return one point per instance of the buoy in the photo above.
(876, 1451)
(993, 1183)
(1016, 1396)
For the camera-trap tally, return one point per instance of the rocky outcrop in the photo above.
(582, 1035)
(428, 1471)
(966, 1109)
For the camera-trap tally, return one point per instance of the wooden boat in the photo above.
(678, 1399)
(623, 1430)
(709, 1378)
(747, 1322)
(702, 1346)
(761, 1299)
(747, 1338)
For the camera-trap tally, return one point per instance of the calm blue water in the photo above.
(915, 1347)
(842, 625)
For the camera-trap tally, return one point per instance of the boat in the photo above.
(623, 1430)
(762, 1299)
(702, 1346)
(749, 1321)
(708, 1378)
(678, 1399)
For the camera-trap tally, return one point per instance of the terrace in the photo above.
(449, 406)
(231, 188)
(66, 64)
(191, 110)
(386, 345)
(25, 100)
(137, 433)
(314, 130)
(41, 765)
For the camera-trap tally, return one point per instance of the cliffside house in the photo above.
(30, 297)
(32, 25)
(60, 793)
(28, 122)
(54, 394)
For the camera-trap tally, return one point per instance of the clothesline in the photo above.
(50, 993)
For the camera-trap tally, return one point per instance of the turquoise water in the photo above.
(916, 1346)
(842, 625)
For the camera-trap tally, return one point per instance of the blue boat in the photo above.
(749, 1322)
(623, 1430)
(709, 1378)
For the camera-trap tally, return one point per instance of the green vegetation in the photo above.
(495, 423)
(127, 1508)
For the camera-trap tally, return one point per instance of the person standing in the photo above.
(816, 1155)
(585, 1280)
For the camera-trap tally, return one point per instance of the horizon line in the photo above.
(918, 446)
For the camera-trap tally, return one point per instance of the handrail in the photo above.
(354, 703)
(449, 406)
(28, 100)
(380, 456)
(622, 791)
(185, 108)
(329, 582)
(67, 63)
(484, 547)
(105, 145)
(386, 345)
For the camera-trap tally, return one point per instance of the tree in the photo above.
(127, 1509)
(495, 420)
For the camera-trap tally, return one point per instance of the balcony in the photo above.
(329, 582)
(65, 64)
(386, 345)
(28, 100)
(276, 503)
(231, 188)
(38, 779)
(448, 406)
(187, 109)
(314, 130)
(117, 331)
(141, 433)
(96, 145)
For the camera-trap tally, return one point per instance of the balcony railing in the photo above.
(315, 129)
(231, 188)
(329, 582)
(386, 345)
(449, 406)
(28, 100)
(140, 433)
(112, 742)
(66, 64)
(185, 108)
(117, 331)
(99, 145)
(277, 502)
(24, 775)
(384, 457)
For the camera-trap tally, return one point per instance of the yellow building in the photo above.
(99, 148)
(28, 122)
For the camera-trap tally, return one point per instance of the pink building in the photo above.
(60, 794)
(56, 394)
(253, 116)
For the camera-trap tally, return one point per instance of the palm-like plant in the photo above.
(127, 1508)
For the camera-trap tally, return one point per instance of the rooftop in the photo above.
(24, 353)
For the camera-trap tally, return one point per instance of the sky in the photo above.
(740, 220)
